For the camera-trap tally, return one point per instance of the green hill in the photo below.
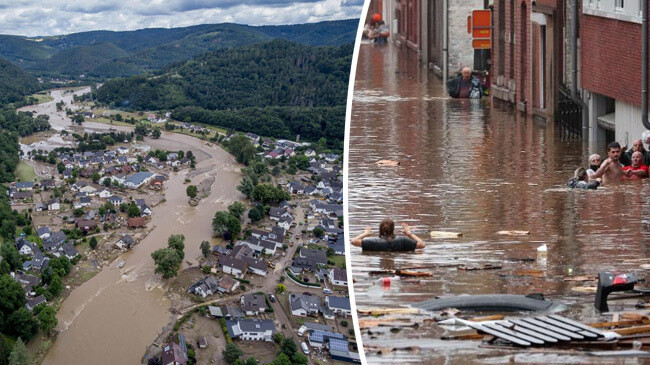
(136, 52)
(15, 83)
(280, 87)
(79, 60)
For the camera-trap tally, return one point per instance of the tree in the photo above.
(220, 223)
(288, 347)
(23, 324)
(191, 191)
(344, 323)
(106, 182)
(9, 253)
(95, 177)
(269, 194)
(177, 242)
(254, 215)
(205, 248)
(47, 319)
(78, 119)
(56, 285)
(5, 351)
(155, 134)
(281, 359)
(278, 337)
(123, 206)
(280, 288)
(12, 295)
(237, 209)
(19, 354)
(141, 129)
(246, 186)
(133, 211)
(167, 262)
(93, 242)
(234, 227)
(318, 232)
(231, 353)
(251, 361)
(78, 212)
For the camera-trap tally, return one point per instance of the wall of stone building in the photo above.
(461, 53)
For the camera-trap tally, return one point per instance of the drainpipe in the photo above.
(574, 72)
(445, 42)
(644, 65)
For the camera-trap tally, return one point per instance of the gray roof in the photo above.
(215, 311)
(318, 256)
(69, 249)
(138, 178)
(309, 303)
(338, 302)
(36, 301)
(43, 230)
(253, 302)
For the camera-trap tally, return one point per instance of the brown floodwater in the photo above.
(476, 167)
(111, 318)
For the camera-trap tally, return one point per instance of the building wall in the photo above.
(461, 53)
(628, 123)
(611, 47)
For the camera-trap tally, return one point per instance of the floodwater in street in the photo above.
(478, 168)
(111, 318)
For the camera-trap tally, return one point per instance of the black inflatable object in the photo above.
(381, 244)
(492, 302)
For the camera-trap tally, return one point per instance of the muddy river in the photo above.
(111, 318)
(476, 168)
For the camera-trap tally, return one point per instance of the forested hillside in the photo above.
(278, 88)
(136, 52)
(15, 83)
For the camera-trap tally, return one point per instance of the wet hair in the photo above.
(613, 145)
(580, 174)
(387, 229)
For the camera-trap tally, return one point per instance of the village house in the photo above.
(68, 250)
(136, 180)
(43, 232)
(227, 284)
(173, 354)
(304, 304)
(25, 186)
(204, 287)
(33, 303)
(232, 266)
(259, 245)
(54, 204)
(339, 305)
(338, 277)
(86, 225)
(125, 242)
(251, 329)
(25, 247)
(253, 304)
(319, 338)
(137, 222)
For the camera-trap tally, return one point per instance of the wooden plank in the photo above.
(568, 327)
(616, 324)
(445, 234)
(540, 330)
(632, 330)
(496, 317)
(513, 233)
(553, 328)
(467, 336)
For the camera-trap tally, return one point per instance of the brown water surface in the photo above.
(475, 167)
(111, 318)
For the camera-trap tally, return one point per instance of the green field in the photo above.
(25, 172)
(338, 260)
(42, 98)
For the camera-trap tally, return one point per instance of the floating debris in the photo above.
(445, 234)
(513, 233)
(482, 267)
(387, 163)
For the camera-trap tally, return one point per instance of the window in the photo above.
(619, 5)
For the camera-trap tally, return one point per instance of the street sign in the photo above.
(481, 29)
(481, 43)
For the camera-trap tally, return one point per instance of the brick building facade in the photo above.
(527, 54)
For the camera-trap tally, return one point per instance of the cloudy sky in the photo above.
(53, 17)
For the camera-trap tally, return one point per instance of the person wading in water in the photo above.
(387, 240)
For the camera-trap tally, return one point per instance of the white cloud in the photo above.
(54, 17)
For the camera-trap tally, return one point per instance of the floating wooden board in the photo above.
(445, 234)
(387, 163)
(513, 233)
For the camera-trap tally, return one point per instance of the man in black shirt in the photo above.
(387, 240)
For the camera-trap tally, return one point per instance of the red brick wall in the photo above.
(610, 61)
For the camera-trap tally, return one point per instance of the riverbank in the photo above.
(93, 318)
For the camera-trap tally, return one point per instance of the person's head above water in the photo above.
(614, 151)
(466, 73)
(637, 159)
(637, 145)
(580, 174)
(595, 160)
(387, 229)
